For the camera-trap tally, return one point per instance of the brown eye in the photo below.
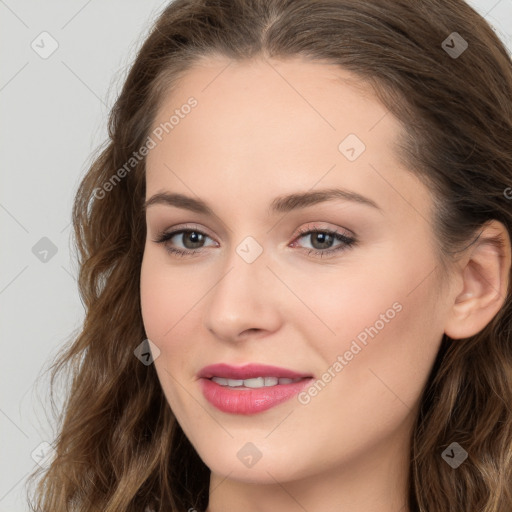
(322, 241)
(196, 238)
(191, 239)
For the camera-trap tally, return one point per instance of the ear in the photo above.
(484, 277)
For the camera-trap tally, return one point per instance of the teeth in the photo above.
(257, 382)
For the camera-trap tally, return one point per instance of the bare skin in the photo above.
(262, 130)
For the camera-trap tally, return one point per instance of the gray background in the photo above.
(53, 118)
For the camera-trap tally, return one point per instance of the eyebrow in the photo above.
(281, 204)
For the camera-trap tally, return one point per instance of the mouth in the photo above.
(250, 389)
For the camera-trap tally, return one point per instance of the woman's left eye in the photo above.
(320, 239)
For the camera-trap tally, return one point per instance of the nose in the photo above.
(245, 300)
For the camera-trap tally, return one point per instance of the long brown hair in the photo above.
(119, 447)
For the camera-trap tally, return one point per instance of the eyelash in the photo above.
(348, 242)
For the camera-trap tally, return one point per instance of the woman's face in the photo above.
(363, 320)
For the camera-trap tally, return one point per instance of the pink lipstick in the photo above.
(251, 388)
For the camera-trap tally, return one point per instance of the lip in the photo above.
(248, 371)
(249, 400)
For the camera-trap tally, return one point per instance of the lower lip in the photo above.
(249, 400)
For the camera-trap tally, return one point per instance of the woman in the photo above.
(295, 260)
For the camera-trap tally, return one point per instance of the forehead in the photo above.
(271, 127)
(276, 93)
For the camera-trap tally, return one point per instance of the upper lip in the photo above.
(248, 371)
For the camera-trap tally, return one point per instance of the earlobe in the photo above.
(485, 280)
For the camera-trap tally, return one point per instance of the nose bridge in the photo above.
(242, 298)
(247, 270)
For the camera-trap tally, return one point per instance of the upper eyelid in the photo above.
(308, 229)
(302, 230)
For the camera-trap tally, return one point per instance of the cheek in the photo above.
(155, 298)
(379, 331)
(168, 295)
(169, 317)
(171, 312)
(375, 368)
(395, 355)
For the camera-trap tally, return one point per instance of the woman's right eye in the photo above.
(197, 237)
